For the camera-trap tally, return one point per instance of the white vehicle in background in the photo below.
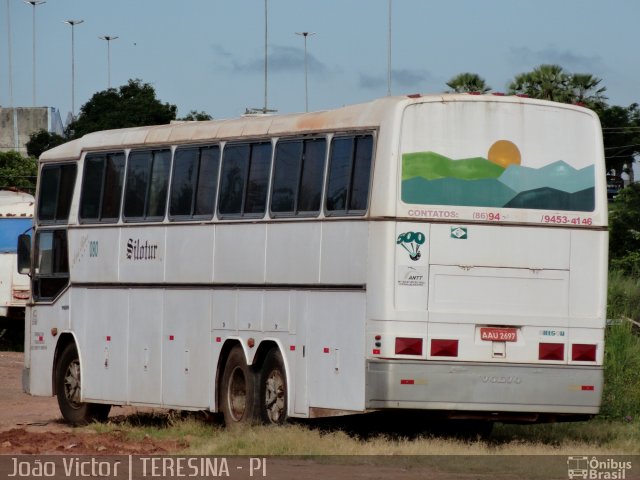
(16, 217)
(444, 253)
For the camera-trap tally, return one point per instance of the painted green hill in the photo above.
(431, 166)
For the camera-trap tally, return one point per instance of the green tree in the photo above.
(621, 134)
(585, 89)
(41, 141)
(468, 82)
(547, 82)
(196, 116)
(132, 105)
(552, 82)
(624, 230)
(17, 171)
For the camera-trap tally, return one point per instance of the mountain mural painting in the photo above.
(429, 178)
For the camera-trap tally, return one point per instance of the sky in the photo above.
(208, 55)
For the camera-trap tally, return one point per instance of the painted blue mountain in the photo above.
(558, 175)
(453, 191)
(551, 199)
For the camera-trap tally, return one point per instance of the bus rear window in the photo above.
(500, 155)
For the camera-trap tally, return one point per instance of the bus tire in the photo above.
(273, 389)
(238, 396)
(68, 388)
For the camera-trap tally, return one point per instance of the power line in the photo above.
(623, 146)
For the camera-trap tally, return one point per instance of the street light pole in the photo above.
(266, 27)
(73, 23)
(265, 109)
(306, 89)
(34, 4)
(389, 55)
(108, 38)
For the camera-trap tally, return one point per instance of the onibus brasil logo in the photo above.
(411, 242)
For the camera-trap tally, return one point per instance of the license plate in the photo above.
(499, 334)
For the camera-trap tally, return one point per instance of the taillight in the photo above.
(444, 348)
(408, 346)
(582, 352)
(551, 351)
(20, 294)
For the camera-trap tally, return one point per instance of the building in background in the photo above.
(17, 124)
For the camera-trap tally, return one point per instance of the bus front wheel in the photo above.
(238, 390)
(273, 389)
(68, 388)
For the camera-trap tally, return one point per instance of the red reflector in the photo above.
(108, 338)
(444, 348)
(292, 348)
(376, 351)
(408, 346)
(581, 352)
(378, 337)
(551, 351)
(218, 339)
(325, 349)
(406, 382)
(171, 337)
(588, 388)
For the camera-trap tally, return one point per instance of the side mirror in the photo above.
(24, 254)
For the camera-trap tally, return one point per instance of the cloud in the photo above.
(524, 57)
(403, 78)
(281, 59)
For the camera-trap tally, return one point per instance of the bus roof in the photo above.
(365, 115)
(14, 203)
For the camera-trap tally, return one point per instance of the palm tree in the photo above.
(584, 89)
(547, 82)
(468, 82)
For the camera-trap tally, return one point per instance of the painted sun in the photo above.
(504, 153)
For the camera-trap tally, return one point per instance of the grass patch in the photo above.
(621, 396)
(204, 437)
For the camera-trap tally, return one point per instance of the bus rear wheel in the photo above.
(238, 390)
(273, 389)
(68, 388)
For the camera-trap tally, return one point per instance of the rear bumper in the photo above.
(483, 387)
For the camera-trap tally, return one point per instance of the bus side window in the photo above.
(147, 185)
(52, 263)
(193, 184)
(244, 179)
(102, 187)
(56, 191)
(298, 176)
(349, 175)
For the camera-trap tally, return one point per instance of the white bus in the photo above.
(443, 253)
(16, 217)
